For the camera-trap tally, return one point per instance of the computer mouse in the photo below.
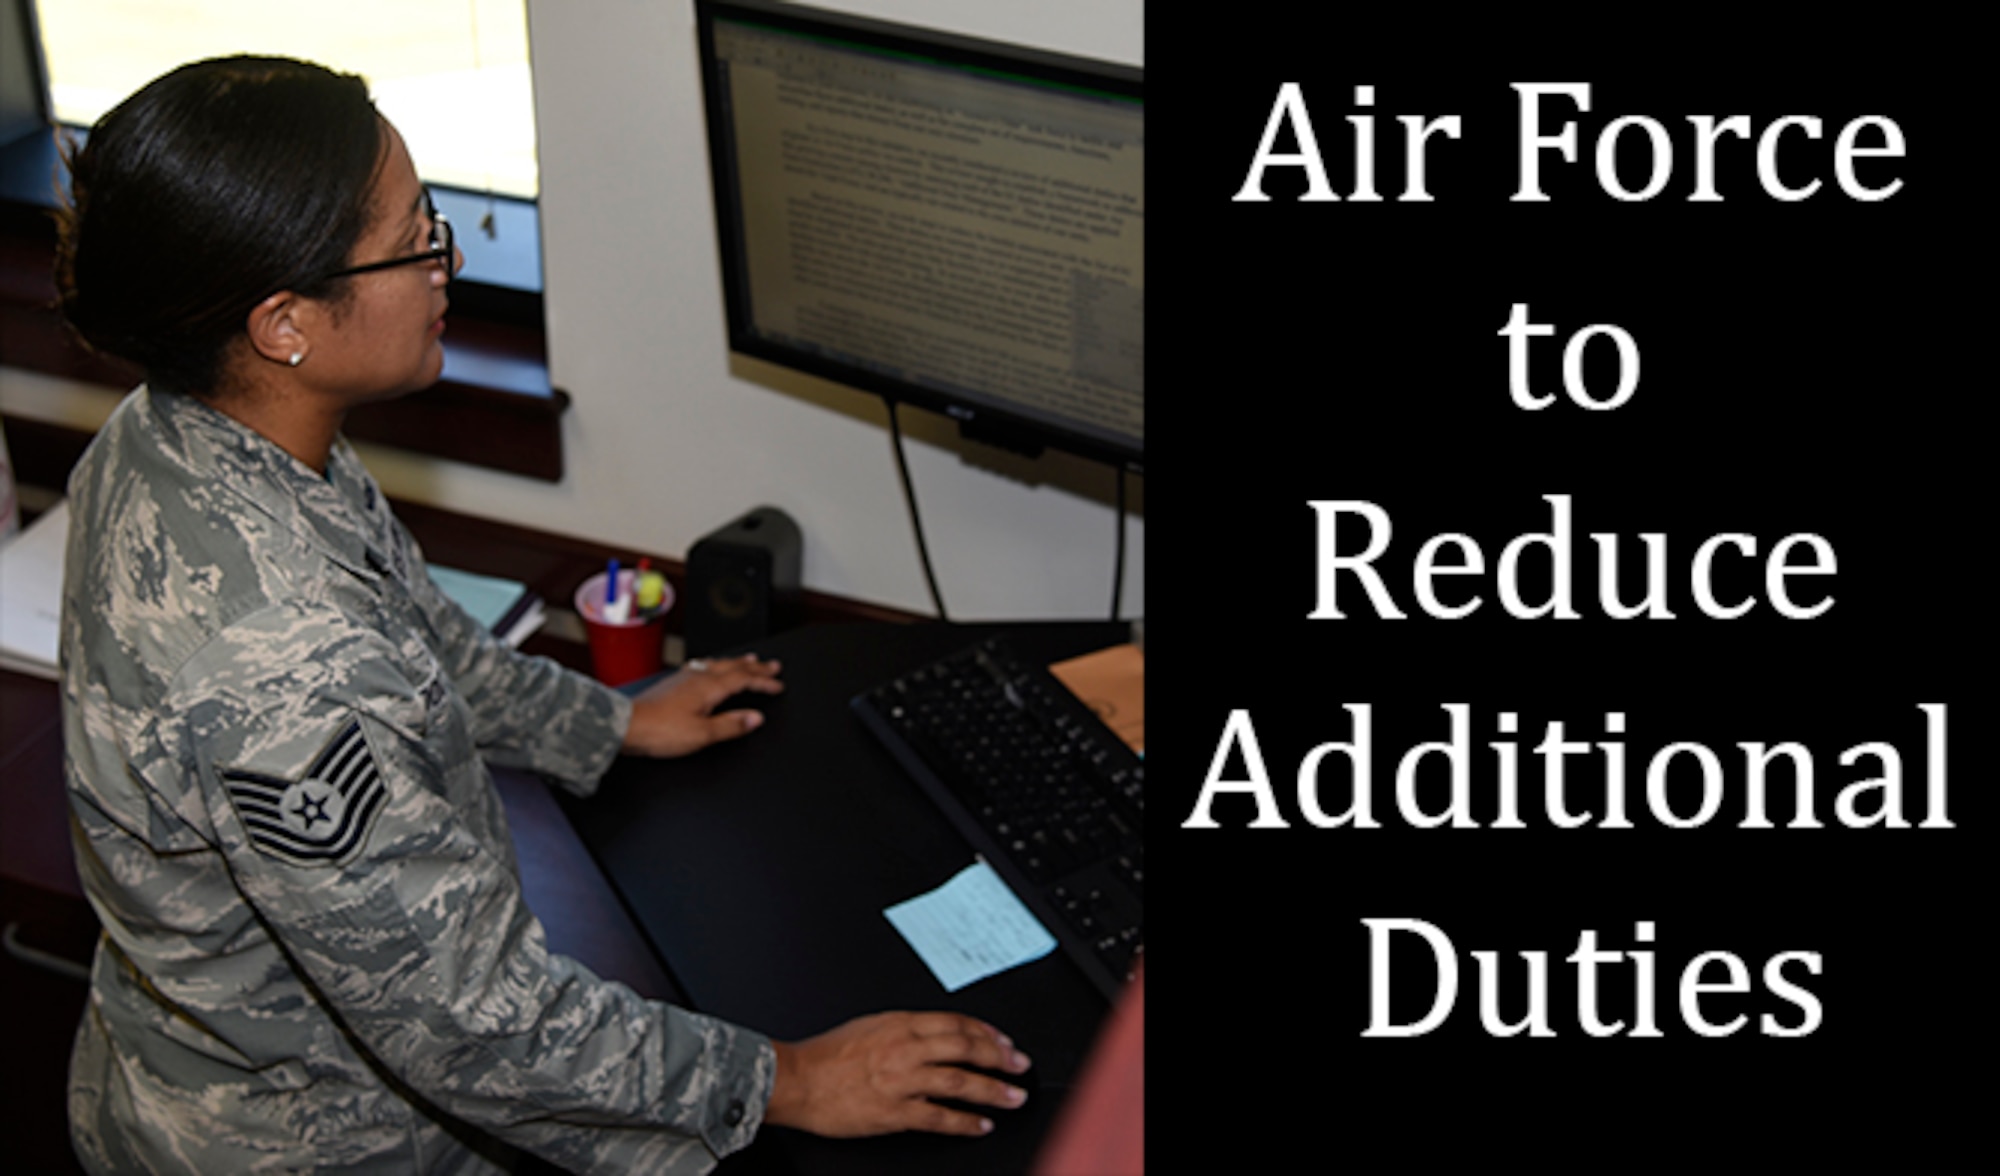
(1029, 1081)
(747, 700)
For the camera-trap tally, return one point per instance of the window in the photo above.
(451, 74)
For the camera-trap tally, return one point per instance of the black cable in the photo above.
(1118, 568)
(916, 524)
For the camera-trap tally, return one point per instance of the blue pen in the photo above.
(611, 592)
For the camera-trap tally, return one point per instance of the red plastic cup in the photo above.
(629, 650)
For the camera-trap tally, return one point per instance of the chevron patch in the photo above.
(321, 819)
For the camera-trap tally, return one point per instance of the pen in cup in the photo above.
(617, 605)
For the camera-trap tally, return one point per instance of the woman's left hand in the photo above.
(677, 715)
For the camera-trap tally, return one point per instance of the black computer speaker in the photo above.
(743, 582)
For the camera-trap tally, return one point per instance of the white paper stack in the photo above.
(31, 581)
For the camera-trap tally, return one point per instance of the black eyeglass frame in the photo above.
(443, 248)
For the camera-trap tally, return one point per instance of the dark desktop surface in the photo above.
(760, 868)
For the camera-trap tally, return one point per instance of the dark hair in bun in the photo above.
(210, 189)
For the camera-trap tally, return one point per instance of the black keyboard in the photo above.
(1048, 794)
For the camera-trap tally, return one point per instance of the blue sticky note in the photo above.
(970, 928)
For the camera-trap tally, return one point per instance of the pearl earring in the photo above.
(297, 358)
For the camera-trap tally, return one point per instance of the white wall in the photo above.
(669, 436)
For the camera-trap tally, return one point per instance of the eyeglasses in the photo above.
(442, 249)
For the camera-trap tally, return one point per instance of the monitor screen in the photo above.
(951, 223)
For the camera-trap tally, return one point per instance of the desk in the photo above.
(760, 868)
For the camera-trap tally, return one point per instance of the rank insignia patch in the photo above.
(320, 819)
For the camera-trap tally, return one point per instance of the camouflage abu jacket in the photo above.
(316, 954)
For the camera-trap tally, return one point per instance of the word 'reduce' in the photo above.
(1458, 555)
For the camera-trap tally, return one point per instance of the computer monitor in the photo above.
(951, 223)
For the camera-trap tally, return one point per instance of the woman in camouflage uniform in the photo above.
(316, 955)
